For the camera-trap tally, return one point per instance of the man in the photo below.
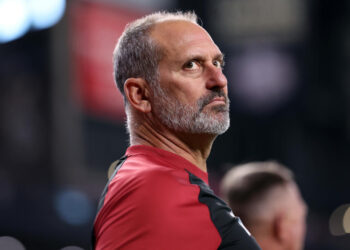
(266, 198)
(169, 71)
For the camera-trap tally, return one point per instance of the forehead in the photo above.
(180, 38)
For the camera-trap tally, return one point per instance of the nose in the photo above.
(216, 78)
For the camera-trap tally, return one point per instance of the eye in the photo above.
(192, 65)
(219, 63)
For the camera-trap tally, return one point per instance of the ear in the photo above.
(137, 92)
(280, 228)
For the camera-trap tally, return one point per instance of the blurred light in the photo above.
(17, 16)
(72, 248)
(239, 20)
(46, 13)
(263, 79)
(10, 243)
(14, 19)
(73, 207)
(339, 222)
(346, 220)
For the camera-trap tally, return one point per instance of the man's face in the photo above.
(192, 93)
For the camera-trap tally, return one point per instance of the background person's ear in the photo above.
(280, 227)
(137, 92)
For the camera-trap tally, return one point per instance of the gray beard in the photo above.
(191, 119)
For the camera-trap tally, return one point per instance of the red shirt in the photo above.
(159, 200)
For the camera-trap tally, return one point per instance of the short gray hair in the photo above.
(136, 54)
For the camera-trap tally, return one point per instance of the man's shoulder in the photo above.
(151, 188)
(148, 171)
(146, 167)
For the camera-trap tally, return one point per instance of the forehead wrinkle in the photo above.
(182, 41)
(196, 56)
(196, 48)
(190, 34)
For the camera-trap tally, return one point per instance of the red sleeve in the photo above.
(159, 210)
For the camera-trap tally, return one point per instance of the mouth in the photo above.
(215, 99)
(218, 100)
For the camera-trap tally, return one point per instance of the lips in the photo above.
(215, 98)
(218, 99)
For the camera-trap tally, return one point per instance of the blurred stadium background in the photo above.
(62, 120)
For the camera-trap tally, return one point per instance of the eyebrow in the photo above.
(220, 57)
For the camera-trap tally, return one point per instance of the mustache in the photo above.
(205, 100)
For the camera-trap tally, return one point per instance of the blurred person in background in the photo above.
(266, 198)
(169, 71)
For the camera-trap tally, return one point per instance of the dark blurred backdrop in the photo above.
(62, 124)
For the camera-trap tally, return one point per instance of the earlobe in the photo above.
(137, 93)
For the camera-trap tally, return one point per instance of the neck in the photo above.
(193, 147)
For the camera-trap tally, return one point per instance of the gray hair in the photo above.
(136, 54)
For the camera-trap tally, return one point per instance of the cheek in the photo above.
(302, 231)
(186, 91)
(299, 234)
